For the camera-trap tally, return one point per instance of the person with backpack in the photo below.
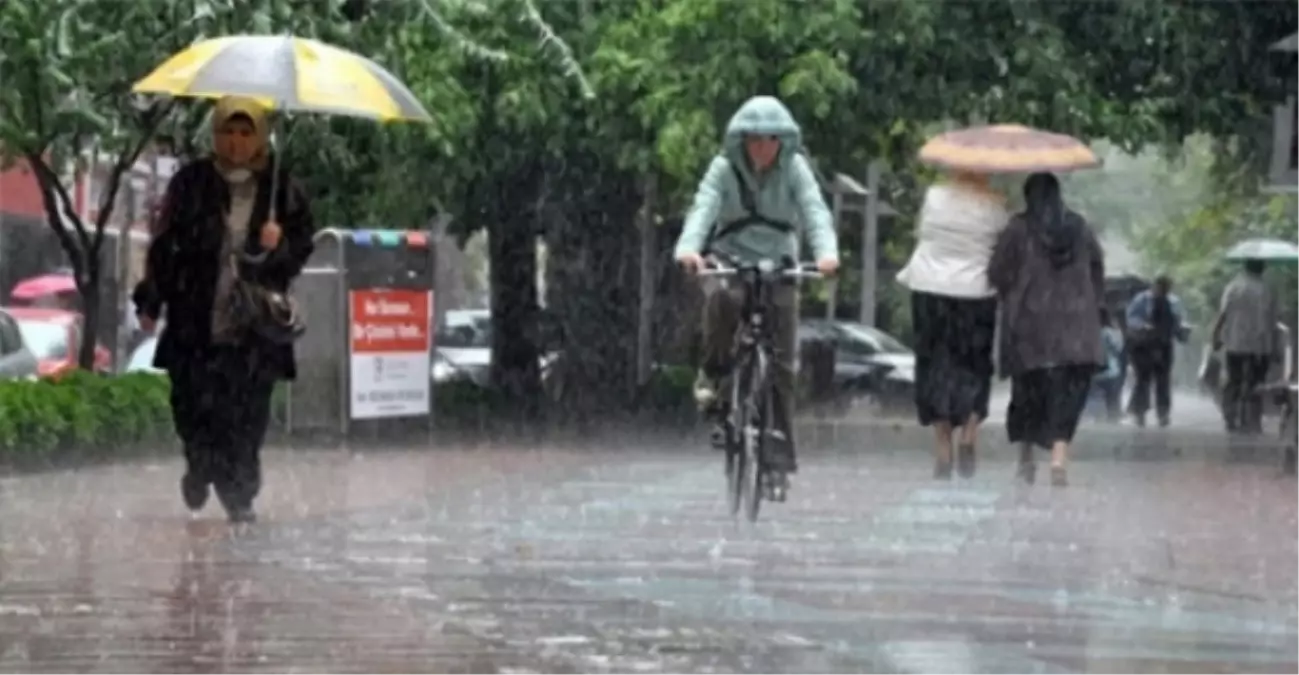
(761, 176)
(1155, 321)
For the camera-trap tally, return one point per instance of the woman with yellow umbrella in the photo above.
(234, 232)
(953, 304)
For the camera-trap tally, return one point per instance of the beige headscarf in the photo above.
(258, 114)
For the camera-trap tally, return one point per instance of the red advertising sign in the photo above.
(391, 321)
(390, 360)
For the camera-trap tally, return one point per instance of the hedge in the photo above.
(85, 415)
(81, 411)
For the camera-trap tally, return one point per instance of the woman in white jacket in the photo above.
(954, 312)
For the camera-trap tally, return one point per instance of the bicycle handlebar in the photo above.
(717, 268)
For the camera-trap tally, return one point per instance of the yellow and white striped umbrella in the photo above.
(1008, 148)
(286, 73)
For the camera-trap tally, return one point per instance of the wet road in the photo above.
(501, 559)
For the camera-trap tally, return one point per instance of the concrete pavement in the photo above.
(550, 559)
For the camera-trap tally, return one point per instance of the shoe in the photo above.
(1164, 422)
(777, 486)
(965, 461)
(194, 490)
(942, 469)
(1059, 476)
(705, 392)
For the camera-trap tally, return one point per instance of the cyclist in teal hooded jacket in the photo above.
(761, 171)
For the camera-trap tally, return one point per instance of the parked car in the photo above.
(54, 337)
(16, 360)
(464, 342)
(141, 359)
(871, 366)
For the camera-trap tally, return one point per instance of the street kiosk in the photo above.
(365, 362)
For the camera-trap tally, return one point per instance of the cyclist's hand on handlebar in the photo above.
(828, 266)
(691, 263)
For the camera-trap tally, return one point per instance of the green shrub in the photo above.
(84, 412)
(461, 401)
(670, 389)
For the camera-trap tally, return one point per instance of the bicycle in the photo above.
(749, 409)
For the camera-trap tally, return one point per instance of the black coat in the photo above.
(184, 263)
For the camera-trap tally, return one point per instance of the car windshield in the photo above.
(463, 333)
(45, 340)
(142, 357)
(886, 343)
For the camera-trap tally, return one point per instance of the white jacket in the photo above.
(957, 231)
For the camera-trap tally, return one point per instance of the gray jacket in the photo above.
(1050, 316)
(1248, 318)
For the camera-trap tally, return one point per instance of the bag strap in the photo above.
(752, 217)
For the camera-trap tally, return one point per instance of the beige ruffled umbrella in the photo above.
(1008, 148)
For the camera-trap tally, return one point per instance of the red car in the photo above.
(54, 337)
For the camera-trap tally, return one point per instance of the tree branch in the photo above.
(152, 118)
(551, 40)
(460, 39)
(52, 193)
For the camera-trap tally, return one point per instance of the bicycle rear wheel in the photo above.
(751, 468)
(734, 473)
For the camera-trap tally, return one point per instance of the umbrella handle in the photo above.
(275, 170)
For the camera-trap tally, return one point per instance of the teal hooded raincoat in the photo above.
(788, 192)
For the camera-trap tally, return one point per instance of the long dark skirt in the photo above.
(221, 405)
(953, 342)
(1046, 404)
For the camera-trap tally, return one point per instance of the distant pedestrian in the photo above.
(1049, 273)
(1108, 383)
(1155, 320)
(1245, 332)
(216, 232)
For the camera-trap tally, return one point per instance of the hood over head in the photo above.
(1057, 228)
(762, 116)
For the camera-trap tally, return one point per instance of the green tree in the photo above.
(66, 96)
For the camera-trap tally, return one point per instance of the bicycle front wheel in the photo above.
(753, 433)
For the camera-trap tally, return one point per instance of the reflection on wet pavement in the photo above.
(546, 560)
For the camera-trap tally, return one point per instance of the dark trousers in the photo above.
(1153, 364)
(723, 310)
(1242, 404)
(221, 405)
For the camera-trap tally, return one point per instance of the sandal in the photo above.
(1059, 475)
(942, 469)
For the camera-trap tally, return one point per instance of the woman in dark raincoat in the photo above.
(1049, 273)
(215, 229)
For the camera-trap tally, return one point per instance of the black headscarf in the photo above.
(1056, 227)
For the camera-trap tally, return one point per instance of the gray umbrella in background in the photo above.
(1272, 250)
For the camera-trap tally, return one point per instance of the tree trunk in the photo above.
(592, 291)
(88, 282)
(515, 358)
(648, 281)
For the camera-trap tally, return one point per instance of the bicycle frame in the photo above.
(750, 404)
